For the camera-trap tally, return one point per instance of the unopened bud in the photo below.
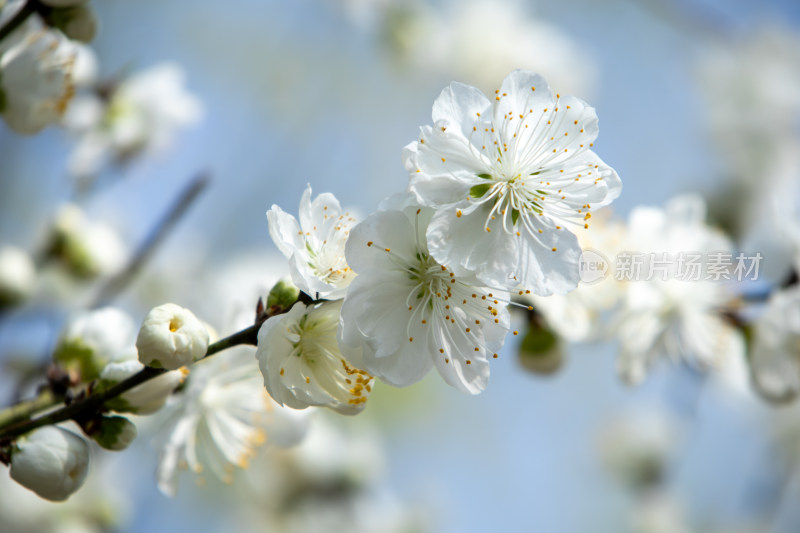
(541, 350)
(283, 295)
(50, 461)
(113, 433)
(171, 337)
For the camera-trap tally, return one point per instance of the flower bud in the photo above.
(541, 350)
(171, 337)
(283, 295)
(50, 461)
(113, 433)
(17, 275)
(143, 399)
(92, 339)
(78, 22)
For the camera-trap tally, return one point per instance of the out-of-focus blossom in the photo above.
(664, 316)
(87, 248)
(752, 88)
(50, 461)
(221, 418)
(171, 337)
(315, 245)
(299, 356)
(139, 114)
(775, 359)
(511, 37)
(92, 339)
(234, 287)
(637, 447)
(99, 506)
(476, 40)
(84, 73)
(407, 313)
(332, 481)
(17, 275)
(506, 177)
(658, 512)
(36, 80)
(582, 315)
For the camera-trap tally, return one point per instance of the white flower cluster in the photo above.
(48, 76)
(426, 280)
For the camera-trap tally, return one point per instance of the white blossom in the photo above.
(505, 178)
(84, 73)
(50, 461)
(296, 495)
(751, 86)
(659, 512)
(36, 80)
(87, 247)
(408, 313)
(510, 37)
(17, 275)
(673, 318)
(221, 418)
(775, 359)
(315, 244)
(302, 363)
(142, 115)
(638, 446)
(91, 339)
(171, 337)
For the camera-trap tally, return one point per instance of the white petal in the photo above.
(443, 167)
(548, 262)
(366, 247)
(285, 231)
(459, 107)
(463, 243)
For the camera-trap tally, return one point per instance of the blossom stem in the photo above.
(30, 7)
(24, 410)
(94, 403)
(179, 208)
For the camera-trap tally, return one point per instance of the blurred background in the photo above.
(693, 96)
